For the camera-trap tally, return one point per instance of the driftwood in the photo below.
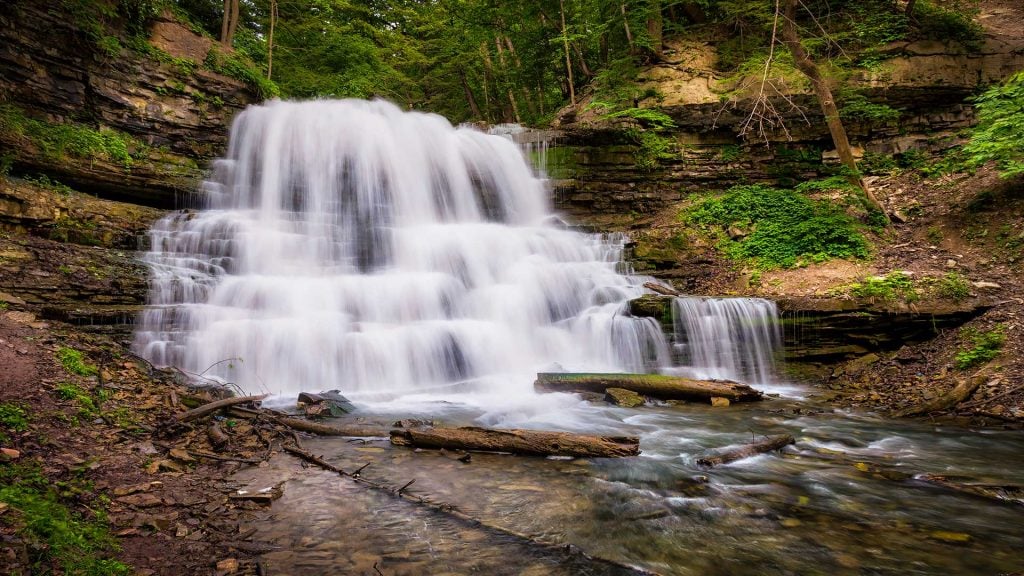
(659, 289)
(218, 439)
(653, 385)
(205, 409)
(769, 444)
(1003, 493)
(959, 393)
(530, 442)
(325, 430)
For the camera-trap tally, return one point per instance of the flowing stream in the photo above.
(418, 268)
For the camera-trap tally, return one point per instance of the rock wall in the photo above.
(928, 82)
(55, 71)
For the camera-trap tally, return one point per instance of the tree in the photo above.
(230, 23)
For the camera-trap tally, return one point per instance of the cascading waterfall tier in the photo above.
(727, 338)
(350, 245)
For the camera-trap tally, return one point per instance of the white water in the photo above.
(727, 338)
(350, 245)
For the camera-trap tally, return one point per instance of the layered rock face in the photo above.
(55, 71)
(927, 82)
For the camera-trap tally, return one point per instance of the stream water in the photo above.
(418, 268)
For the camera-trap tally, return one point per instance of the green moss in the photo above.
(74, 362)
(782, 228)
(986, 346)
(58, 540)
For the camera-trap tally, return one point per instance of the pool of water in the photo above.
(842, 500)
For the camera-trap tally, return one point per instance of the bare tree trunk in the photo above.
(583, 62)
(474, 108)
(225, 24)
(230, 25)
(654, 30)
(625, 24)
(809, 68)
(909, 11)
(488, 77)
(568, 60)
(270, 38)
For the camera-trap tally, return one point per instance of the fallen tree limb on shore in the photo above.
(769, 444)
(962, 391)
(654, 385)
(325, 430)
(197, 413)
(531, 442)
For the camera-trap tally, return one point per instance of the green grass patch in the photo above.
(58, 141)
(892, 287)
(13, 418)
(985, 346)
(59, 540)
(781, 228)
(88, 407)
(74, 362)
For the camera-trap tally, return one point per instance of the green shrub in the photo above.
(999, 135)
(985, 347)
(786, 227)
(243, 69)
(647, 117)
(892, 287)
(74, 362)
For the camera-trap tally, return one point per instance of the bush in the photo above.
(60, 140)
(785, 227)
(986, 346)
(892, 287)
(999, 135)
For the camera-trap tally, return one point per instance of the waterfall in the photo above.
(727, 338)
(351, 245)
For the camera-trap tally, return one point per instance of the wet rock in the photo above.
(623, 397)
(717, 401)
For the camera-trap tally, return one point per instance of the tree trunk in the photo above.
(568, 61)
(654, 30)
(270, 38)
(625, 24)
(910, 9)
(583, 62)
(653, 385)
(470, 99)
(769, 444)
(225, 23)
(531, 442)
(827, 102)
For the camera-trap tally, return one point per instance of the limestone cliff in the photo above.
(173, 109)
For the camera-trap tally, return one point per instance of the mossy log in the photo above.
(769, 444)
(962, 391)
(530, 442)
(653, 385)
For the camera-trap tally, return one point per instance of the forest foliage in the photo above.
(523, 61)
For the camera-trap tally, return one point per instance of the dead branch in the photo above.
(769, 444)
(205, 409)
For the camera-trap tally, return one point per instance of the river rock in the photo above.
(623, 397)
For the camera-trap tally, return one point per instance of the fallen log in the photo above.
(654, 385)
(959, 393)
(197, 413)
(325, 430)
(531, 442)
(659, 289)
(1001, 492)
(769, 444)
